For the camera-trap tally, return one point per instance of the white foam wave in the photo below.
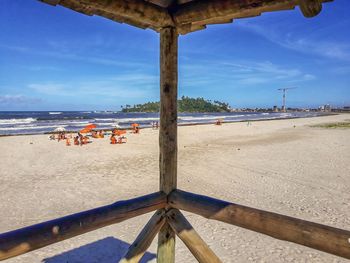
(16, 121)
(55, 112)
(23, 127)
(138, 119)
(106, 123)
(195, 118)
(105, 119)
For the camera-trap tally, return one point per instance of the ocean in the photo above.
(39, 122)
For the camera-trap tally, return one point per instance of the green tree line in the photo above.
(185, 104)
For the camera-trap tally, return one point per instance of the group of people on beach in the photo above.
(98, 134)
(116, 137)
(79, 140)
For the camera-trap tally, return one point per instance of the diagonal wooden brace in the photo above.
(145, 238)
(190, 237)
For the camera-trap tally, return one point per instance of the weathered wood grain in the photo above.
(321, 237)
(36, 236)
(139, 247)
(168, 133)
(190, 237)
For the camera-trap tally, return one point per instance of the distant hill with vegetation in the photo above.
(185, 104)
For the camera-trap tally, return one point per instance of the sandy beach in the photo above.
(283, 166)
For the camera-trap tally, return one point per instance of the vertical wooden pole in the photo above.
(168, 133)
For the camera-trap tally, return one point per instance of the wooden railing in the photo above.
(26, 239)
(321, 237)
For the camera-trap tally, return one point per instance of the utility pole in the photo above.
(284, 97)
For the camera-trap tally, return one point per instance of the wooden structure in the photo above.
(171, 18)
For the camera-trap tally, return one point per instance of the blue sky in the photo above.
(52, 58)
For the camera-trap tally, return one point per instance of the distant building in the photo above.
(325, 108)
(275, 109)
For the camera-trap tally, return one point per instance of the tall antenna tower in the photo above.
(284, 97)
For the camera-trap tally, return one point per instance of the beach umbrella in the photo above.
(60, 129)
(85, 130)
(88, 128)
(120, 132)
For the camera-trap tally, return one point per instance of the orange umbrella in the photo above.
(119, 132)
(88, 128)
(85, 130)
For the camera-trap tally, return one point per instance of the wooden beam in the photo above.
(310, 8)
(189, 236)
(189, 28)
(168, 133)
(26, 239)
(145, 238)
(162, 3)
(134, 12)
(205, 11)
(321, 237)
(50, 2)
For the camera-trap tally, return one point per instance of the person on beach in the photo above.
(94, 134)
(81, 139)
(76, 140)
(101, 134)
(113, 139)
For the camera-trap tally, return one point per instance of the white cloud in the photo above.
(18, 99)
(241, 72)
(305, 44)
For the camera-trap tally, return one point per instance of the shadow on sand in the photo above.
(107, 250)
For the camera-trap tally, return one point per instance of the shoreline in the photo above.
(182, 125)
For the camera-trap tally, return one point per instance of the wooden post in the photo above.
(168, 133)
(189, 236)
(145, 238)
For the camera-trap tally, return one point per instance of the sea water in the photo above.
(39, 122)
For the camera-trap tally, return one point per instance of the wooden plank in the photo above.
(50, 2)
(26, 239)
(190, 237)
(168, 133)
(145, 238)
(138, 11)
(321, 237)
(134, 11)
(162, 3)
(188, 28)
(205, 10)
